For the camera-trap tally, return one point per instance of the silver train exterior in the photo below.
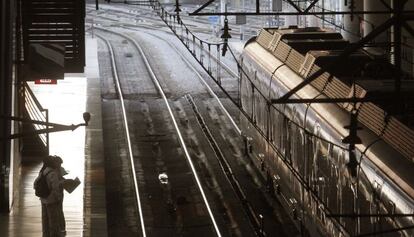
(301, 155)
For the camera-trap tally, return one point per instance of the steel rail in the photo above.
(122, 13)
(298, 177)
(199, 20)
(177, 129)
(245, 114)
(200, 77)
(128, 138)
(181, 139)
(212, 93)
(227, 170)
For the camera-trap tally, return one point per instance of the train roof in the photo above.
(365, 70)
(311, 38)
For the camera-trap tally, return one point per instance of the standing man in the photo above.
(61, 172)
(52, 202)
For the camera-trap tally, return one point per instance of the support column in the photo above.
(6, 45)
(223, 4)
(352, 23)
(408, 44)
(277, 7)
(371, 21)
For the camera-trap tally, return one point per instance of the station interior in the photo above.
(209, 117)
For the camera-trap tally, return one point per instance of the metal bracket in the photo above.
(54, 127)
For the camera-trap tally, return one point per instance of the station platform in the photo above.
(82, 154)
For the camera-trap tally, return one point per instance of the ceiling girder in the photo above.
(300, 11)
(311, 6)
(347, 51)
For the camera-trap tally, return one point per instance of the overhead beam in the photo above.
(348, 51)
(294, 5)
(328, 100)
(197, 13)
(203, 6)
(386, 5)
(354, 215)
(408, 28)
(311, 5)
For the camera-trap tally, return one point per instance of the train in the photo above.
(299, 148)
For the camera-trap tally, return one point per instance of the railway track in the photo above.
(224, 164)
(128, 137)
(137, 11)
(153, 22)
(179, 135)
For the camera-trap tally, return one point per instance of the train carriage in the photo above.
(300, 151)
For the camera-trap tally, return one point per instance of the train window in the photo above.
(252, 98)
(321, 146)
(342, 157)
(324, 149)
(273, 124)
(302, 155)
(261, 111)
(270, 124)
(309, 155)
(316, 132)
(330, 150)
(279, 129)
(334, 172)
(377, 190)
(286, 137)
(246, 95)
(298, 149)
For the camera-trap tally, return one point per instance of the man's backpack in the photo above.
(42, 190)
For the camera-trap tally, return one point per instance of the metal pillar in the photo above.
(223, 8)
(351, 29)
(6, 61)
(373, 20)
(408, 44)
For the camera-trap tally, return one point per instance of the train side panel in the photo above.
(309, 173)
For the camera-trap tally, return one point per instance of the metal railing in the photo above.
(35, 111)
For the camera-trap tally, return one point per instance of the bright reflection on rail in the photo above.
(118, 86)
(181, 139)
(212, 93)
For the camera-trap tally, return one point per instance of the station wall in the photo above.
(9, 149)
